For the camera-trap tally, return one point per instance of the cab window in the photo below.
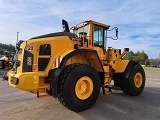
(44, 56)
(82, 29)
(45, 49)
(98, 36)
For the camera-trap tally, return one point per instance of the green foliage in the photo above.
(5, 47)
(141, 57)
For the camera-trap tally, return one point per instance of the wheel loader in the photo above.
(6, 60)
(73, 69)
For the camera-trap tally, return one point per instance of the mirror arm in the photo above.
(116, 29)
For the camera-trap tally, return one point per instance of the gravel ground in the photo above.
(20, 105)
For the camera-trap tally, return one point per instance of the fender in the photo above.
(56, 72)
(120, 77)
(129, 67)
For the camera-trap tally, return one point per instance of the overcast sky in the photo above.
(138, 20)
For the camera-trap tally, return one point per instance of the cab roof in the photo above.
(89, 21)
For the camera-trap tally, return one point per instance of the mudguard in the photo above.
(120, 77)
(56, 72)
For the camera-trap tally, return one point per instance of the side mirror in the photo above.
(116, 29)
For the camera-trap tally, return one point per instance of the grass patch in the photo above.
(152, 68)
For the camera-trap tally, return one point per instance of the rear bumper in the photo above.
(28, 81)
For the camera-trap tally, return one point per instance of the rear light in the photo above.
(34, 68)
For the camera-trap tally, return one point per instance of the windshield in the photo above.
(82, 29)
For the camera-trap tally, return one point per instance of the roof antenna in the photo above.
(65, 26)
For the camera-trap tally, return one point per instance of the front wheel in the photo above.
(10, 65)
(79, 87)
(136, 81)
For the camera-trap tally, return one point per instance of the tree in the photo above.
(129, 56)
(141, 57)
(1, 52)
(154, 62)
(5, 47)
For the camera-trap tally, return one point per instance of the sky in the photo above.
(138, 21)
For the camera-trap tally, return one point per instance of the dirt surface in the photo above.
(19, 105)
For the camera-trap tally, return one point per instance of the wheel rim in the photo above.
(84, 88)
(138, 80)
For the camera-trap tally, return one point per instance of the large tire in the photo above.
(2, 66)
(10, 65)
(78, 87)
(136, 81)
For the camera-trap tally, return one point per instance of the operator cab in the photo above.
(96, 34)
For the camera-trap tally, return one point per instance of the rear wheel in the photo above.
(78, 87)
(2, 66)
(136, 81)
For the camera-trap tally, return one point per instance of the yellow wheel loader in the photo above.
(6, 60)
(74, 69)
